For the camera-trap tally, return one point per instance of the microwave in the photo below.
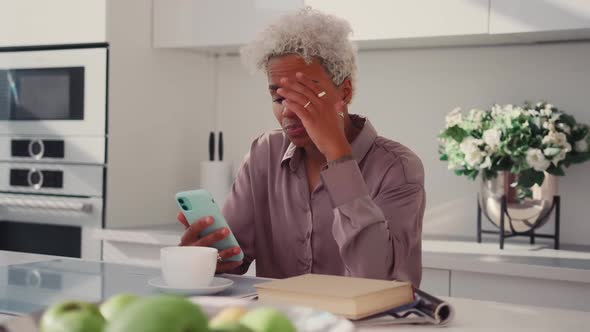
(54, 92)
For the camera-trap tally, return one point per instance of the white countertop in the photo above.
(471, 315)
(11, 258)
(158, 235)
(517, 259)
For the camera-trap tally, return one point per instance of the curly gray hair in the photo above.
(309, 34)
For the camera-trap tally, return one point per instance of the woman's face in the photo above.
(287, 66)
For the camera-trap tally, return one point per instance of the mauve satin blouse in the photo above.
(364, 219)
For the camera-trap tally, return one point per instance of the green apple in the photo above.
(267, 320)
(230, 327)
(115, 304)
(72, 316)
(162, 313)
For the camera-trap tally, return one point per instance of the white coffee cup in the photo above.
(188, 267)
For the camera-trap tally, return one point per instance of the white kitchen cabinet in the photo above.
(214, 24)
(226, 24)
(34, 22)
(523, 16)
(436, 281)
(386, 20)
(519, 290)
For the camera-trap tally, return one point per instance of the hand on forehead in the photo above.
(289, 65)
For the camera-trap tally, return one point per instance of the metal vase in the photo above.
(521, 216)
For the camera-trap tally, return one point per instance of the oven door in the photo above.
(50, 225)
(54, 210)
(53, 92)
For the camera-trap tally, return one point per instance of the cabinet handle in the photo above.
(47, 205)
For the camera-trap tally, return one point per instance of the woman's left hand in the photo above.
(321, 113)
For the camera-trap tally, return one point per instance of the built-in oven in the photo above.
(53, 112)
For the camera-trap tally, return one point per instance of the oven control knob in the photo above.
(35, 179)
(36, 149)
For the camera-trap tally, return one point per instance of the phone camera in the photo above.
(184, 207)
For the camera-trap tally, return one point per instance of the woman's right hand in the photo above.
(191, 238)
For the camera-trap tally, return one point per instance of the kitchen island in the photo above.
(29, 282)
(520, 274)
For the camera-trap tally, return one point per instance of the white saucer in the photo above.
(217, 285)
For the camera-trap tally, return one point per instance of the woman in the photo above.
(325, 194)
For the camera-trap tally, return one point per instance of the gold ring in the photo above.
(307, 104)
(321, 94)
(341, 114)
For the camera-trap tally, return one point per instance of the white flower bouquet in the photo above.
(525, 140)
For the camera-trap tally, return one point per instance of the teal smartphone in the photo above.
(199, 203)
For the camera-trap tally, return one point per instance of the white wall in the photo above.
(406, 94)
(161, 108)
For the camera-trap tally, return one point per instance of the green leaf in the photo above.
(504, 163)
(516, 169)
(555, 171)
(456, 133)
(578, 158)
(489, 174)
(524, 193)
(580, 133)
(530, 177)
(472, 175)
(444, 157)
(458, 172)
(539, 178)
(567, 119)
